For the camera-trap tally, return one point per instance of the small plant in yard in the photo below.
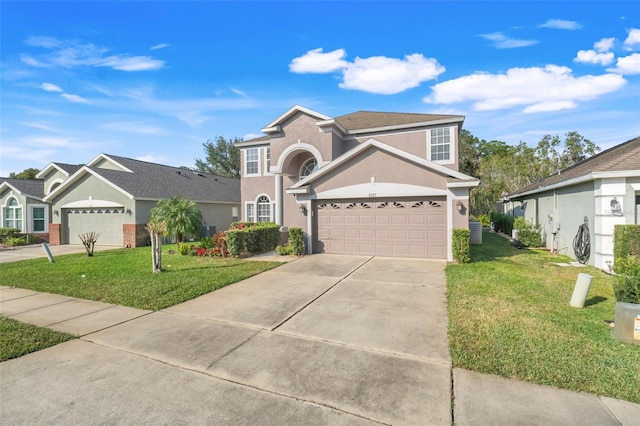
(89, 240)
(296, 244)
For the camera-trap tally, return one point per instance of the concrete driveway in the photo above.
(321, 340)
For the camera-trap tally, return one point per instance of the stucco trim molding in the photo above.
(300, 146)
(91, 203)
(372, 191)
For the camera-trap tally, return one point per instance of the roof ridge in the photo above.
(159, 165)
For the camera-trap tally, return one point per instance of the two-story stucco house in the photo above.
(370, 183)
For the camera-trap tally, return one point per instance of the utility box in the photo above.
(475, 233)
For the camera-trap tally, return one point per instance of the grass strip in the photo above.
(509, 315)
(124, 277)
(18, 338)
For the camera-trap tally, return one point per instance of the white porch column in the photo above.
(279, 200)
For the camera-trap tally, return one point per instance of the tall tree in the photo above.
(222, 158)
(29, 173)
(180, 217)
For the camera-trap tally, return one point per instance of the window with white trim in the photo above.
(251, 161)
(13, 214)
(38, 219)
(264, 209)
(440, 144)
(267, 155)
(308, 167)
(250, 213)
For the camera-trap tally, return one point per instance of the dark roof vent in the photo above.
(178, 172)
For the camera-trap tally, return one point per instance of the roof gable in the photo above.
(149, 181)
(32, 188)
(273, 127)
(374, 144)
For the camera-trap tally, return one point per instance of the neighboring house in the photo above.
(370, 183)
(602, 191)
(114, 196)
(22, 205)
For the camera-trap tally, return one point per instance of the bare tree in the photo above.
(89, 240)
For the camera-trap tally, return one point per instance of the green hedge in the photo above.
(244, 237)
(460, 245)
(626, 243)
(296, 243)
(502, 222)
(9, 233)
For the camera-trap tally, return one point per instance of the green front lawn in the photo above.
(509, 315)
(124, 276)
(17, 338)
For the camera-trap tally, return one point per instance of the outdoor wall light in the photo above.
(303, 210)
(128, 211)
(460, 206)
(56, 213)
(616, 207)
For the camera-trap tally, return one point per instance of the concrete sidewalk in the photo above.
(321, 340)
(14, 254)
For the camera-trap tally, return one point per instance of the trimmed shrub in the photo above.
(502, 222)
(626, 243)
(530, 236)
(520, 223)
(626, 263)
(7, 233)
(460, 245)
(296, 241)
(254, 238)
(484, 219)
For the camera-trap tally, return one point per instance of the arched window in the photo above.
(308, 167)
(264, 209)
(13, 215)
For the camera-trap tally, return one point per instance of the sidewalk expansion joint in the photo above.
(238, 383)
(321, 294)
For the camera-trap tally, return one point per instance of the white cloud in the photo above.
(46, 141)
(561, 24)
(551, 88)
(377, 74)
(633, 38)
(150, 158)
(160, 46)
(40, 126)
(70, 53)
(604, 45)
(75, 98)
(238, 92)
(134, 127)
(500, 41)
(50, 87)
(131, 63)
(627, 65)
(316, 61)
(382, 75)
(593, 57)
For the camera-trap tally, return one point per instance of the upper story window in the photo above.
(440, 144)
(308, 167)
(267, 158)
(13, 215)
(251, 161)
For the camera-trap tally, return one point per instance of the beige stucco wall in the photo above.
(302, 127)
(382, 166)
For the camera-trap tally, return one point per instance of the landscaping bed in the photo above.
(509, 315)
(124, 276)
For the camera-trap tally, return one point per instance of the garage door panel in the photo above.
(407, 228)
(107, 222)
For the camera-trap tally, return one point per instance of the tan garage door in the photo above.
(402, 228)
(107, 222)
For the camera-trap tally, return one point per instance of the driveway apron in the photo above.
(321, 340)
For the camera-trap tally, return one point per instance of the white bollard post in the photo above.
(580, 291)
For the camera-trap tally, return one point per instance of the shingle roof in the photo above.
(69, 168)
(33, 187)
(368, 119)
(157, 181)
(625, 156)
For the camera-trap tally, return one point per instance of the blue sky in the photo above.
(155, 80)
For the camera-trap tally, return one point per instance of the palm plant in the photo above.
(181, 217)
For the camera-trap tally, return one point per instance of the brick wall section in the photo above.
(54, 234)
(134, 235)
